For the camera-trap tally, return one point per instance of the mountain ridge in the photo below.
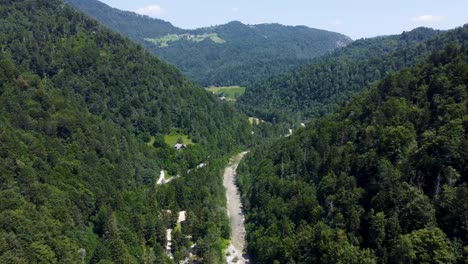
(318, 88)
(262, 50)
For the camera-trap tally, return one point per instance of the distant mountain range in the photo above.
(230, 54)
(321, 87)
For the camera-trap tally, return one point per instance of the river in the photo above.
(235, 251)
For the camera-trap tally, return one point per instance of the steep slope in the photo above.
(319, 88)
(126, 23)
(230, 54)
(249, 52)
(383, 180)
(78, 178)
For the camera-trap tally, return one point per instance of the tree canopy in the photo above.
(239, 55)
(79, 106)
(382, 180)
(319, 88)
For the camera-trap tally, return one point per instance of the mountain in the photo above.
(132, 25)
(230, 54)
(318, 88)
(86, 121)
(382, 180)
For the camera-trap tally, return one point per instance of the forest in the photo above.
(130, 24)
(79, 105)
(249, 53)
(103, 144)
(319, 88)
(382, 180)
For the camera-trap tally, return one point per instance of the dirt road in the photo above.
(235, 212)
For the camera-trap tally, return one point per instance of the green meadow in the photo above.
(164, 41)
(230, 92)
(172, 139)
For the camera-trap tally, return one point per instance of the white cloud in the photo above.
(427, 19)
(235, 9)
(151, 10)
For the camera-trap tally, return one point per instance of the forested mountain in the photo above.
(383, 180)
(79, 104)
(230, 54)
(319, 88)
(136, 27)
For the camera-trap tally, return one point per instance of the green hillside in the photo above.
(383, 180)
(109, 154)
(319, 88)
(126, 23)
(78, 181)
(224, 55)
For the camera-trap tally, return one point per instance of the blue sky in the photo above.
(355, 18)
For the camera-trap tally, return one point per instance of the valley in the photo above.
(125, 139)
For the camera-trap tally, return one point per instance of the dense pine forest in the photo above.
(109, 154)
(240, 55)
(79, 105)
(383, 180)
(132, 25)
(319, 88)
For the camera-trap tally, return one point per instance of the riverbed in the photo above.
(235, 251)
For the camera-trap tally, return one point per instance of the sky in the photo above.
(355, 18)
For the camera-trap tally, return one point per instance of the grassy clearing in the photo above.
(164, 41)
(230, 92)
(213, 37)
(216, 39)
(173, 137)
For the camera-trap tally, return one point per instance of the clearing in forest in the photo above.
(229, 92)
